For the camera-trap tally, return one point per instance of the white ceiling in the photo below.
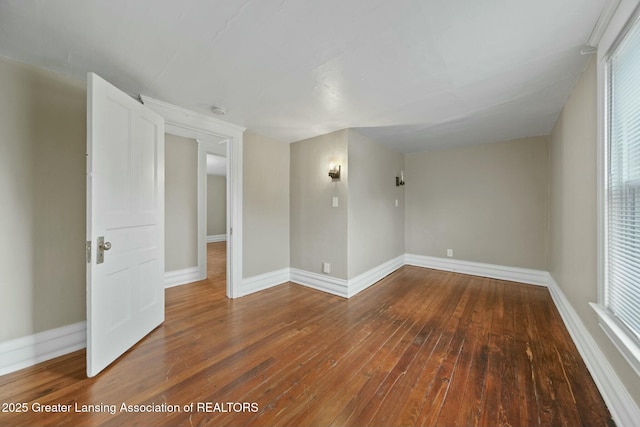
(412, 74)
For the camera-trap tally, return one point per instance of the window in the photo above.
(619, 311)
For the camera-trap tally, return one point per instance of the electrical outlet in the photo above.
(326, 267)
(449, 252)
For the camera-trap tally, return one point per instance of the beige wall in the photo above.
(265, 205)
(573, 214)
(375, 224)
(181, 203)
(318, 230)
(486, 202)
(42, 200)
(216, 205)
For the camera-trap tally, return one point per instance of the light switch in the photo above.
(334, 202)
(396, 203)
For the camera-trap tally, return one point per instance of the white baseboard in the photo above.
(23, 352)
(368, 278)
(181, 277)
(320, 282)
(623, 408)
(346, 288)
(513, 274)
(264, 281)
(217, 238)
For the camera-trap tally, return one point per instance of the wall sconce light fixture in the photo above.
(400, 179)
(334, 171)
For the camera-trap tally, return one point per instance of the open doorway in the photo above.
(126, 173)
(217, 216)
(209, 132)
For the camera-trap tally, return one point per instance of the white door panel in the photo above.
(125, 205)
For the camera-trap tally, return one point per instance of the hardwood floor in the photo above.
(421, 347)
(217, 263)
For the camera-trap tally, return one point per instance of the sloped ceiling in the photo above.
(412, 74)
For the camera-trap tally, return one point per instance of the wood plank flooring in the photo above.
(421, 347)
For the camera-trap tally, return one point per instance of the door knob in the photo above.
(102, 246)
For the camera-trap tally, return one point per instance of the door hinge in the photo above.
(231, 231)
(88, 251)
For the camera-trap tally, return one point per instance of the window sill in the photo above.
(621, 338)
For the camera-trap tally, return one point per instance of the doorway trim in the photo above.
(181, 118)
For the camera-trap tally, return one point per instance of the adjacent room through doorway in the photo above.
(216, 217)
(191, 196)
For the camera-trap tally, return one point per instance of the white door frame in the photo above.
(181, 118)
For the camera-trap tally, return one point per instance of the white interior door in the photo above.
(125, 209)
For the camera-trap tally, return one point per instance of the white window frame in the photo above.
(626, 13)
